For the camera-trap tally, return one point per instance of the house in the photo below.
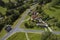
(8, 28)
(34, 15)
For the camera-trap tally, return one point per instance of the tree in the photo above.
(45, 17)
(8, 21)
(23, 8)
(29, 24)
(58, 24)
(2, 3)
(9, 12)
(1, 26)
(20, 2)
(41, 2)
(1, 15)
(14, 17)
(31, 1)
(10, 5)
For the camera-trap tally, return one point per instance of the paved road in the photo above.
(35, 31)
(19, 23)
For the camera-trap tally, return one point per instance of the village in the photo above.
(29, 19)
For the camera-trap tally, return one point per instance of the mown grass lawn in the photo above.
(17, 36)
(33, 36)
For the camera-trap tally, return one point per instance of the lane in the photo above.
(30, 31)
(56, 32)
(36, 31)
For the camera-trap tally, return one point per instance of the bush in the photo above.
(46, 17)
(58, 24)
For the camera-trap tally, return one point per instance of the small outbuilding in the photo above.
(8, 28)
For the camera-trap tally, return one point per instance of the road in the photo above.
(19, 22)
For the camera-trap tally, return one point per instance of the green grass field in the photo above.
(54, 12)
(33, 36)
(17, 36)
